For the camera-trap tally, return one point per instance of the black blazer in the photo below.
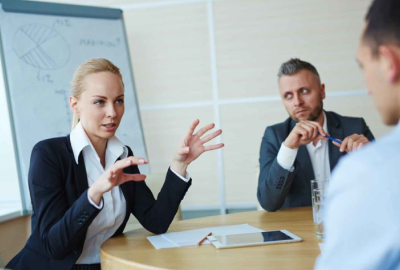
(279, 188)
(62, 213)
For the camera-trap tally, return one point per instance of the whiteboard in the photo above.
(42, 45)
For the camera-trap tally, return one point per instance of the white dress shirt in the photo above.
(113, 204)
(362, 216)
(319, 155)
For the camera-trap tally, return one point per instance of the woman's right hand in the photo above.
(115, 176)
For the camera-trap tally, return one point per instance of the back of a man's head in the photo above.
(383, 24)
(379, 55)
(294, 65)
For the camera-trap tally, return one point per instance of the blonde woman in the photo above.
(85, 186)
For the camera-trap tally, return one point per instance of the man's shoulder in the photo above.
(345, 119)
(282, 127)
(348, 124)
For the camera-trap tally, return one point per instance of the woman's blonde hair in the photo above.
(94, 65)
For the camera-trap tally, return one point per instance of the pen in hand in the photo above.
(204, 239)
(331, 138)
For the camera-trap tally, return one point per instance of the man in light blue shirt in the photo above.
(362, 212)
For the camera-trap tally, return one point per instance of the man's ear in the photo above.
(73, 104)
(390, 63)
(323, 94)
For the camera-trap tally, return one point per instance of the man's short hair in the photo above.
(383, 24)
(295, 65)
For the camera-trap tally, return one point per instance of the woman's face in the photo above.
(101, 105)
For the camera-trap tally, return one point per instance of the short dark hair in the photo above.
(383, 24)
(294, 65)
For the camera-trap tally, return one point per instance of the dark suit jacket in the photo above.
(279, 188)
(62, 213)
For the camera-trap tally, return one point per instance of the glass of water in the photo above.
(317, 184)
(318, 198)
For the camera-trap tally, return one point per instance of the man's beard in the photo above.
(313, 115)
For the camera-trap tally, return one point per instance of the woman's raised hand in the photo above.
(115, 176)
(193, 146)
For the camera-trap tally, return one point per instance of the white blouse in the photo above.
(113, 204)
(113, 213)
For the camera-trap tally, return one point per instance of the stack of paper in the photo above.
(192, 237)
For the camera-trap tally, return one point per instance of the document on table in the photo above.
(192, 237)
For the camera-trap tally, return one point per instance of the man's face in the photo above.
(302, 95)
(379, 85)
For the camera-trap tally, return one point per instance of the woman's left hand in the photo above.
(193, 146)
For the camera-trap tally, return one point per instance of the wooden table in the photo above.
(132, 250)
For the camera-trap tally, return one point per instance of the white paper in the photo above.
(192, 237)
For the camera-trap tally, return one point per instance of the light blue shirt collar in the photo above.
(80, 140)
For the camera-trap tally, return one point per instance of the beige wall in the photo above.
(217, 61)
(13, 236)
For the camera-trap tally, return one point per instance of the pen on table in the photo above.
(331, 138)
(204, 239)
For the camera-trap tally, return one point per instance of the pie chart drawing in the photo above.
(41, 46)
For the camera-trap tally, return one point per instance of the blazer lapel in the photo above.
(335, 131)
(80, 175)
(79, 170)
